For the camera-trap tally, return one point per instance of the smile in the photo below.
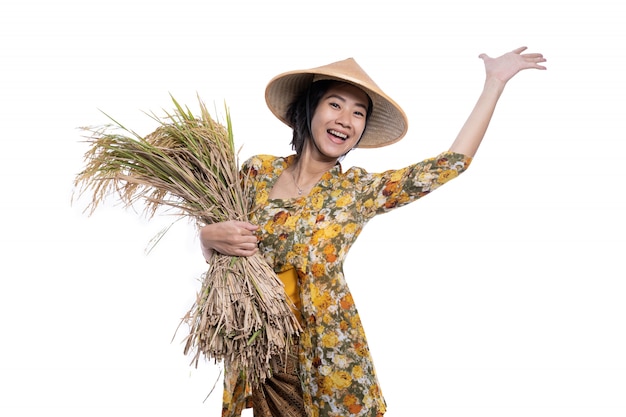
(340, 135)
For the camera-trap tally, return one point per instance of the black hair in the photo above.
(300, 112)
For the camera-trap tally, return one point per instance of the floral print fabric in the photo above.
(314, 233)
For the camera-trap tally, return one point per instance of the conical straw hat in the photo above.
(386, 125)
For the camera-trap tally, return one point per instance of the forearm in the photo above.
(473, 131)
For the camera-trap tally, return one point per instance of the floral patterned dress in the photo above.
(314, 233)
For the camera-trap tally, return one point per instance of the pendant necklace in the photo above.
(296, 184)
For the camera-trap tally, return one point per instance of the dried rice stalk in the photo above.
(241, 314)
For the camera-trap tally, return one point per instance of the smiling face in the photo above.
(339, 120)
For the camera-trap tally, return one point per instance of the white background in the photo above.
(502, 294)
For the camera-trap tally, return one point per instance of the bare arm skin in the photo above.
(498, 72)
(237, 238)
(234, 238)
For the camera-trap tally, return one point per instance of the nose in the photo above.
(343, 119)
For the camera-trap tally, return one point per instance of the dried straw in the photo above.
(241, 314)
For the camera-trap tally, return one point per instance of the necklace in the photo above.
(296, 184)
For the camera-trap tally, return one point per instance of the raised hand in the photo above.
(506, 66)
(498, 72)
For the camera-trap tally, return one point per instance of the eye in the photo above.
(334, 105)
(359, 114)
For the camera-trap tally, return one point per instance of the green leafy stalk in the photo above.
(241, 314)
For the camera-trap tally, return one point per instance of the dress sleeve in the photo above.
(255, 173)
(247, 172)
(382, 192)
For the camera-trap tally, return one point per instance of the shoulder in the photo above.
(355, 173)
(258, 160)
(265, 164)
(355, 177)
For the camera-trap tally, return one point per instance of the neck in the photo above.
(312, 161)
(307, 171)
(306, 167)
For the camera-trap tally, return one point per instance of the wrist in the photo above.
(494, 85)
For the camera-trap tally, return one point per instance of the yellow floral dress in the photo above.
(314, 233)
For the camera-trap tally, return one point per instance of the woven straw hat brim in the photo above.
(386, 125)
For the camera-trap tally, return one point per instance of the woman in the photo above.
(307, 213)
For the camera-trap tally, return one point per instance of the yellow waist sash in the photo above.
(289, 279)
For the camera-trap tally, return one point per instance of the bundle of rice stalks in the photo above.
(241, 314)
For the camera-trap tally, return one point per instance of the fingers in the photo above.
(246, 251)
(242, 249)
(247, 231)
(244, 239)
(534, 56)
(245, 225)
(234, 238)
(237, 246)
(529, 60)
(244, 236)
(534, 60)
(243, 242)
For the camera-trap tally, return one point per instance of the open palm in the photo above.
(506, 66)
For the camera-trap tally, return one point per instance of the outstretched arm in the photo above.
(498, 72)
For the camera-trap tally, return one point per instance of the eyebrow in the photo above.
(339, 97)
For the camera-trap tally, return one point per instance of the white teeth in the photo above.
(338, 134)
